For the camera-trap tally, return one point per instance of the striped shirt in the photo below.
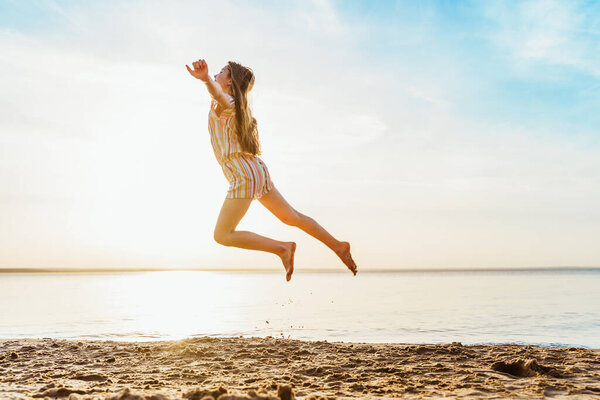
(221, 128)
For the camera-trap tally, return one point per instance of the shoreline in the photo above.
(278, 368)
(302, 270)
(148, 339)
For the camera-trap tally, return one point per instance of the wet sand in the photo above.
(205, 368)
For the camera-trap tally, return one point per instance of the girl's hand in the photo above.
(200, 70)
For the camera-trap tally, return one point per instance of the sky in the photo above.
(434, 134)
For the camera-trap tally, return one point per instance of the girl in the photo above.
(234, 138)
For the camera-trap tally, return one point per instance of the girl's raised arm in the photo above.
(200, 71)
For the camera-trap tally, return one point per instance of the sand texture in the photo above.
(204, 368)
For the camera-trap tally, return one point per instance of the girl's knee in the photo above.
(221, 237)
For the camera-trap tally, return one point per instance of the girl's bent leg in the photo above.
(231, 213)
(275, 203)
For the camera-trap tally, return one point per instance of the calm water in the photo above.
(526, 307)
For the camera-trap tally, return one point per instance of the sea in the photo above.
(552, 307)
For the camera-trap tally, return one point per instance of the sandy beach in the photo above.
(277, 368)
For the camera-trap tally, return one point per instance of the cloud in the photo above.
(547, 32)
(323, 18)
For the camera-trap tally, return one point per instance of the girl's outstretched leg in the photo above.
(231, 213)
(275, 203)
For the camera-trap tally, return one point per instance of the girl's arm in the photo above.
(217, 93)
(200, 71)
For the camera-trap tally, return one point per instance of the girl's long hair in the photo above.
(242, 80)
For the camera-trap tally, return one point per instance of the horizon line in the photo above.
(313, 270)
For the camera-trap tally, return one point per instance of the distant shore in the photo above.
(277, 368)
(300, 270)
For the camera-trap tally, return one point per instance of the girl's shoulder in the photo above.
(219, 111)
(231, 99)
(214, 103)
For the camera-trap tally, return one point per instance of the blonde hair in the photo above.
(242, 81)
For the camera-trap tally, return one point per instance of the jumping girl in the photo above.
(234, 139)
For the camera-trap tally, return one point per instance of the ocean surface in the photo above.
(549, 308)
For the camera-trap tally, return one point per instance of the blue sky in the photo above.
(476, 38)
(468, 126)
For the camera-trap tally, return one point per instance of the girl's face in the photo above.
(223, 78)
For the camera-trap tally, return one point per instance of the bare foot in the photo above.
(344, 254)
(287, 257)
